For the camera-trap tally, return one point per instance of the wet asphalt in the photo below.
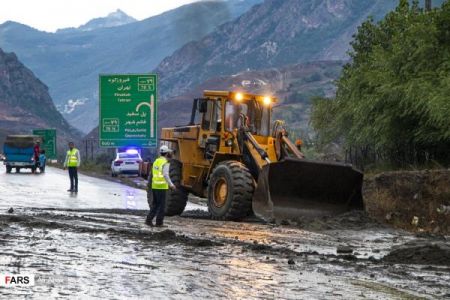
(94, 245)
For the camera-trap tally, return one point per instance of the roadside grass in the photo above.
(91, 166)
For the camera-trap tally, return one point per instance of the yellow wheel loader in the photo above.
(243, 163)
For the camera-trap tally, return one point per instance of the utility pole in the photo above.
(92, 149)
(428, 5)
(86, 149)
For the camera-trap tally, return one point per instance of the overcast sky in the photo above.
(49, 15)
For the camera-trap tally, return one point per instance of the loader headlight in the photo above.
(239, 97)
(229, 142)
(267, 100)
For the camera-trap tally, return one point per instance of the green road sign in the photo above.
(48, 141)
(128, 110)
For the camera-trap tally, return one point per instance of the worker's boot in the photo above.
(149, 222)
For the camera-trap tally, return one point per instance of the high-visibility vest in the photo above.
(72, 158)
(158, 181)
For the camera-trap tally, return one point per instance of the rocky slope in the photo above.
(275, 33)
(70, 62)
(25, 103)
(294, 86)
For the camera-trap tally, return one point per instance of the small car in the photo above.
(126, 162)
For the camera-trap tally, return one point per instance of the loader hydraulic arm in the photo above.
(257, 147)
(284, 144)
(286, 141)
(247, 137)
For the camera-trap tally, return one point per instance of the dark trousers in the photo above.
(73, 174)
(158, 207)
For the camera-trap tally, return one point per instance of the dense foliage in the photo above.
(393, 98)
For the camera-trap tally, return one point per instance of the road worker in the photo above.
(72, 163)
(160, 184)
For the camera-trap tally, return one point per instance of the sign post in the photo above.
(128, 110)
(48, 141)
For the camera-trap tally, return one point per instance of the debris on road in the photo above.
(194, 249)
(165, 236)
(344, 249)
(353, 220)
(196, 214)
(10, 210)
(411, 200)
(420, 252)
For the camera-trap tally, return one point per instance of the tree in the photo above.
(394, 95)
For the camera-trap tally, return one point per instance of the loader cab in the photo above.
(227, 111)
(210, 110)
(223, 114)
(249, 113)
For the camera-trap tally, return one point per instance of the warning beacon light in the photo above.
(132, 151)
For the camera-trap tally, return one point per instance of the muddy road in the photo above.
(95, 245)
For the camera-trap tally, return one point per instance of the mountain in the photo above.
(70, 61)
(273, 34)
(293, 85)
(25, 103)
(113, 19)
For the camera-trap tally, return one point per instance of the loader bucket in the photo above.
(298, 188)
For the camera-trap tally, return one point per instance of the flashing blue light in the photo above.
(132, 151)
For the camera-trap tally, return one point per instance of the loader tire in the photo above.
(176, 200)
(8, 169)
(230, 191)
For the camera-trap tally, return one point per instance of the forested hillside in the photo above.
(393, 99)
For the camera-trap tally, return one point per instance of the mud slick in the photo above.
(421, 253)
(165, 236)
(196, 214)
(353, 220)
(193, 253)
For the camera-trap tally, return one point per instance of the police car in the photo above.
(126, 162)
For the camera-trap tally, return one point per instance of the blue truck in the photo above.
(19, 152)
